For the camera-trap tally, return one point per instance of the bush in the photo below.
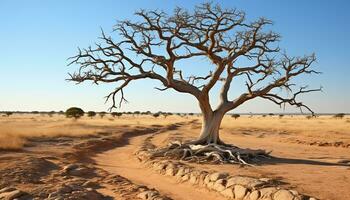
(91, 114)
(8, 113)
(74, 112)
(235, 116)
(156, 115)
(116, 114)
(102, 114)
(280, 116)
(339, 115)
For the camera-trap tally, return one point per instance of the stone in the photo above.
(193, 179)
(147, 194)
(12, 194)
(294, 192)
(283, 195)
(311, 198)
(160, 166)
(254, 195)
(70, 167)
(170, 170)
(91, 184)
(81, 171)
(201, 177)
(185, 177)
(219, 185)
(217, 175)
(210, 185)
(207, 179)
(228, 192)
(182, 171)
(245, 181)
(240, 191)
(267, 192)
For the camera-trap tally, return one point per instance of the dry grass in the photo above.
(16, 129)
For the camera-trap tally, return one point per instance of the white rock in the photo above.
(228, 192)
(254, 195)
(283, 195)
(240, 191)
(217, 175)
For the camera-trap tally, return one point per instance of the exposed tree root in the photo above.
(213, 153)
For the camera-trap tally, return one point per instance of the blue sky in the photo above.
(37, 37)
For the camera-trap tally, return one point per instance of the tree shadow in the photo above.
(273, 160)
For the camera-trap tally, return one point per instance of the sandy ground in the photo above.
(310, 155)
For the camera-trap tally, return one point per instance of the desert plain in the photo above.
(54, 157)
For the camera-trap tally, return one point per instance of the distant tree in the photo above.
(156, 115)
(91, 114)
(35, 112)
(74, 112)
(51, 113)
(116, 114)
(271, 114)
(157, 44)
(102, 114)
(339, 115)
(235, 116)
(137, 112)
(8, 114)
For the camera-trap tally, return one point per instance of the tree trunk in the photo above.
(210, 129)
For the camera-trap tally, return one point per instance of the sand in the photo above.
(310, 155)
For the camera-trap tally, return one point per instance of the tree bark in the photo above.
(209, 134)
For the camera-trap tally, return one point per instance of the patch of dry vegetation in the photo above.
(15, 130)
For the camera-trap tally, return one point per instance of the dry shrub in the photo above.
(10, 141)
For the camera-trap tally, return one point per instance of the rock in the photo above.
(81, 171)
(207, 179)
(245, 181)
(170, 170)
(201, 177)
(240, 191)
(7, 189)
(267, 192)
(210, 185)
(69, 167)
(294, 192)
(185, 177)
(283, 195)
(217, 175)
(147, 194)
(311, 198)
(228, 192)
(219, 185)
(254, 195)
(160, 166)
(193, 179)
(12, 194)
(91, 184)
(180, 172)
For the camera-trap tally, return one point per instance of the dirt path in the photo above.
(122, 161)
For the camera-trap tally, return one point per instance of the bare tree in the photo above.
(154, 47)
